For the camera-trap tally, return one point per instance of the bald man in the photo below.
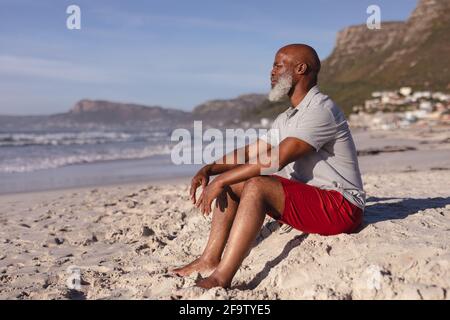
(317, 187)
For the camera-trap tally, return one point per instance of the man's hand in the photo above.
(200, 179)
(208, 195)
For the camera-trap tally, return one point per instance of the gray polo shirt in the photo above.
(318, 121)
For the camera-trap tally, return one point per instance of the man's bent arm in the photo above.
(289, 150)
(237, 157)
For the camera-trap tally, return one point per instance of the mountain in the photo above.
(106, 112)
(100, 114)
(413, 53)
(226, 111)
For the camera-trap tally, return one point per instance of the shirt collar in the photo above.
(307, 99)
(304, 103)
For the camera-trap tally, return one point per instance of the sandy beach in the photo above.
(123, 239)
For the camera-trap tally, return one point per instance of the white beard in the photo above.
(281, 89)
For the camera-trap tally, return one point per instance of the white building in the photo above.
(426, 106)
(405, 91)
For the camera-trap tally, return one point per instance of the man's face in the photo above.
(280, 67)
(280, 78)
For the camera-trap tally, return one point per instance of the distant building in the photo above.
(405, 91)
(388, 110)
(426, 106)
(376, 94)
(440, 96)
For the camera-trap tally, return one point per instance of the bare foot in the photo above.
(198, 265)
(211, 282)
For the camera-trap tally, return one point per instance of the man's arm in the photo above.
(238, 157)
(289, 150)
(228, 162)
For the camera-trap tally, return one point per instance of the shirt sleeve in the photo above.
(316, 127)
(272, 136)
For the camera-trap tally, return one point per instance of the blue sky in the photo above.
(175, 54)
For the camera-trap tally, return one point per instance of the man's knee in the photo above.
(254, 183)
(235, 190)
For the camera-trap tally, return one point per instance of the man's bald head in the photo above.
(302, 53)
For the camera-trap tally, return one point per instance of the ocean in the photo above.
(53, 159)
(44, 160)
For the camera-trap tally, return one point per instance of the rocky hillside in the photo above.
(100, 114)
(414, 53)
(225, 111)
(107, 112)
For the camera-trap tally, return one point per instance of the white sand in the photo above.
(402, 252)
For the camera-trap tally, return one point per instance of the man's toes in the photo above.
(178, 271)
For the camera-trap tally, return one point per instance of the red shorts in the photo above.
(314, 210)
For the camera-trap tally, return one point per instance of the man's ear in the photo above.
(301, 68)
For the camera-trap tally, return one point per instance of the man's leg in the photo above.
(223, 216)
(260, 195)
